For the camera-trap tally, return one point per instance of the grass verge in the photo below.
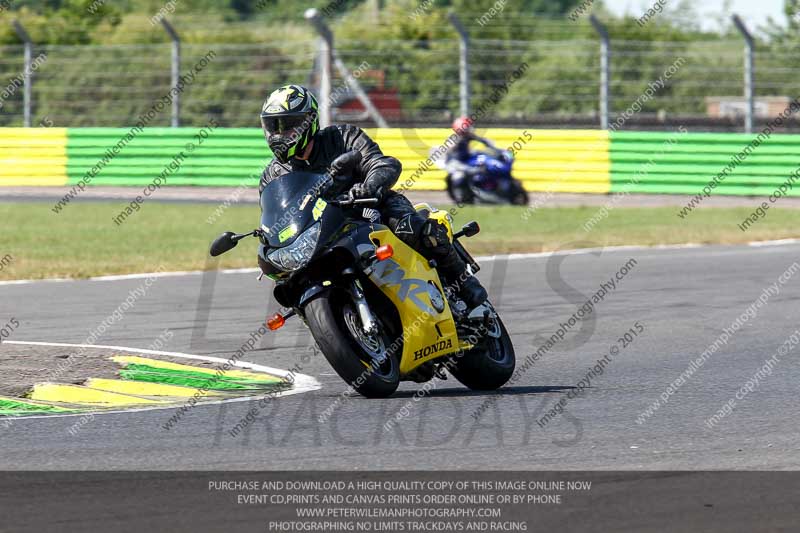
(83, 241)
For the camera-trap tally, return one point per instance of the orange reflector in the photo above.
(276, 321)
(384, 252)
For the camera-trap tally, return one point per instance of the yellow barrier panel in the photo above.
(545, 160)
(33, 156)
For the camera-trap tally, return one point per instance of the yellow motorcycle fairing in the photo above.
(412, 285)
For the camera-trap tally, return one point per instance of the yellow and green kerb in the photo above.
(141, 383)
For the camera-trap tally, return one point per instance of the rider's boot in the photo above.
(452, 267)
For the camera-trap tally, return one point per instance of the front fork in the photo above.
(466, 257)
(369, 323)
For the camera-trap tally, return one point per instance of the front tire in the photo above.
(459, 194)
(490, 364)
(367, 364)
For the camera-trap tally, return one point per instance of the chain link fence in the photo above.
(413, 82)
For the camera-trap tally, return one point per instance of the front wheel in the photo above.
(490, 364)
(460, 194)
(366, 362)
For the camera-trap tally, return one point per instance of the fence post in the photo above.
(463, 63)
(377, 7)
(176, 71)
(329, 54)
(605, 70)
(749, 93)
(325, 52)
(27, 73)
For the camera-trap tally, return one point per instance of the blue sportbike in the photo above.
(485, 178)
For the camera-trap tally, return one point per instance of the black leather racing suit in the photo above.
(378, 172)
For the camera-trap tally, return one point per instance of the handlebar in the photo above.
(348, 202)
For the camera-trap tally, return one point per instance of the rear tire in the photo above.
(489, 365)
(519, 196)
(348, 357)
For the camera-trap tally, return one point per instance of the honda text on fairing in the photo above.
(489, 182)
(377, 309)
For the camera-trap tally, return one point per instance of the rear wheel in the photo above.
(519, 196)
(490, 364)
(366, 362)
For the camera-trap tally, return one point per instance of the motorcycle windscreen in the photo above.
(289, 205)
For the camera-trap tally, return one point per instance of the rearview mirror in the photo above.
(468, 230)
(223, 243)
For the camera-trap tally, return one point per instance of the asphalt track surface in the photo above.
(682, 297)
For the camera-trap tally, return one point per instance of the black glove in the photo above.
(434, 234)
(362, 190)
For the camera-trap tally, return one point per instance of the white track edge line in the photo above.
(511, 257)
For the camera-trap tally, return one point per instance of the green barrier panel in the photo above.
(226, 157)
(683, 163)
(205, 181)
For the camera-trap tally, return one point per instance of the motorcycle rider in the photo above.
(290, 121)
(457, 155)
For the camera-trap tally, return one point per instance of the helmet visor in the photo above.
(282, 123)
